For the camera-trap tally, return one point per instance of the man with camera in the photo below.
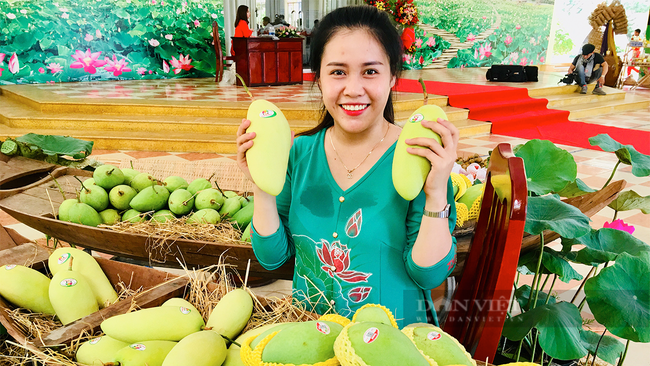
(588, 67)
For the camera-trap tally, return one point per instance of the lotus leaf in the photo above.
(627, 154)
(548, 168)
(549, 213)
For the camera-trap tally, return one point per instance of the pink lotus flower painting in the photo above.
(54, 68)
(508, 40)
(336, 262)
(87, 61)
(165, 67)
(183, 63)
(2, 57)
(14, 65)
(117, 67)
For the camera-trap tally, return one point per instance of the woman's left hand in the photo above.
(442, 158)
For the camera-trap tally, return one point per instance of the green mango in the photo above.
(374, 313)
(246, 235)
(179, 301)
(243, 217)
(378, 344)
(142, 181)
(163, 216)
(64, 209)
(230, 194)
(205, 216)
(108, 176)
(89, 183)
(411, 171)
(26, 288)
(133, 216)
(163, 323)
(86, 264)
(231, 314)
(181, 202)
(173, 183)
(96, 197)
(81, 213)
(209, 198)
(305, 343)
(233, 357)
(198, 185)
(440, 346)
(269, 156)
(262, 335)
(71, 296)
(99, 351)
(230, 207)
(129, 174)
(152, 198)
(121, 195)
(110, 216)
(144, 353)
(245, 201)
(204, 348)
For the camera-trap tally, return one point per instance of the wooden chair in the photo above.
(478, 307)
(219, 52)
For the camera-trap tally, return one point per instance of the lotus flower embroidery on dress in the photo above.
(336, 261)
(353, 226)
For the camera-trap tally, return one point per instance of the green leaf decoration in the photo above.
(548, 168)
(138, 30)
(549, 213)
(604, 245)
(609, 348)
(61, 145)
(619, 297)
(559, 329)
(630, 200)
(24, 41)
(640, 162)
(575, 188)
(45, 43)
(522, 294)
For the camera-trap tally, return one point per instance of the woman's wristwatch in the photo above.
(439, 214)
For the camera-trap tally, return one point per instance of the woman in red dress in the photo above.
(241, 24)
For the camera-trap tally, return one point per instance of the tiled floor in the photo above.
(594, 167)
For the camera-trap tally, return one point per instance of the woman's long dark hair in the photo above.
(365, 17)
(242, 14)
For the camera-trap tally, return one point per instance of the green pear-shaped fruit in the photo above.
(86, 264)
(205, 216)
(198, 184)
(81, 213)
(108, 176)
(243, 217)
(64, 209)
(133, 216)
(71, 296)
(230, 207)
(121, 195)
(245, 201)
(173, 183)
(110, 216)
(209, 198)
(142, 181)
(231, 314)
(26, 288)
(96, 197)
(147, 353)
(152, 198)
(99, 351)
(411, 171)
(230, 194)
(163, 216)
(129, 174)
(204, 348)
(181, 202)
(89, 183)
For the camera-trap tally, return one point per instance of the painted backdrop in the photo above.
(59, 41)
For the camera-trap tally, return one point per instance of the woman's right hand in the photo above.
(244, 142)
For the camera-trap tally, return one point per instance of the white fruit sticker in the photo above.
(323, 328)
(371, 335)
(95, 341)
(434, 336)
(9, 267)
(63, 258)
(138, 346)
(68, 282)
(185, 310)
(416, 118)
(268, 113)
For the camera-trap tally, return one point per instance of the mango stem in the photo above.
(245, 87)
(424, 91)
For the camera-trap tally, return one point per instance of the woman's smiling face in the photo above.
(355, 79)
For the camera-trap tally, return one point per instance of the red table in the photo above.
(265, 61)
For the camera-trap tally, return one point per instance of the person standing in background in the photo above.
(241, 24)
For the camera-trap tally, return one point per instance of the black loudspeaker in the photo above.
(512, 73)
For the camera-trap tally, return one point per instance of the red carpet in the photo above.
(513, 113)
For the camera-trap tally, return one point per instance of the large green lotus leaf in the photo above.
(549, 213)
(575, 188)
(548, 168)
(609, 348)
(619, 297)
(522, 294)
(61, 145)
(552, 263)
(627, 154)
(559, 329)
(630, 200)
(605, 244)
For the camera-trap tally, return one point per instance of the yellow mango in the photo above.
(204, 348)
(26, 288)
(269, 156)
(71, 296)
(146, 353)
(410, 171)
(231, 314)
(99, 351)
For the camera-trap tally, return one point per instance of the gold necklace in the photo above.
(364, 159)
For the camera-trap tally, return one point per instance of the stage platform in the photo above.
(199, 115)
